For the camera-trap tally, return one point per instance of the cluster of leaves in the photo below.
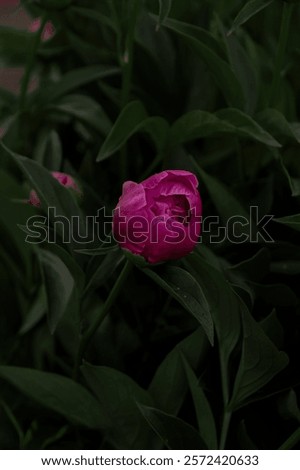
(196, 354)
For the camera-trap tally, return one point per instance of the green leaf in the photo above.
(48, 150)
(250, 9)
(173, 432)
(84, 109)
(181, 285)
(59, 284)
(200, 124)
(294, 183)
(292, 221)
(132, 119)
(100, 251)
(56, 393)
(77, 78)
(118, 394)
(99, 273)
(205, 417)
(260, 361)
(223, 199)
(36, 312)
(275, 122)
(164, 10)
(221, 72)
(171, 371)
(14, 45)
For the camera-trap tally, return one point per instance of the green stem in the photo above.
(281, 50)
(126, 65)
(30, 64)
(103, 314)
(224, 430)
(291, 441)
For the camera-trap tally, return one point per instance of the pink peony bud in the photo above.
(48, 31)
(159, 218)
(63, 179)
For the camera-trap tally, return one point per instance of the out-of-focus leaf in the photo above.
(58, 394)
(164, 10)
(294, 183)
(205, 417)
(288, 406)
(171, 370)
(85, 109)
(132, 119)
(36, 312)
(256, 267)
(250, 9)
(118, 395)
(59, 284)
(99, 272)
(48, 150)
(292, 221)
(275, 122)
(219, 68)
(181, 285)
(174, 433)
(14, 45)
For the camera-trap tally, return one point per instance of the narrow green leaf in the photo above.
(260, 361)
(205, 418)
(171, 370)
(164, 10)
(250, 9)
(36, 312)
(59, 284)
(56, 393)
(292, 221)
(118, 394)
(181, 285)
(132, 119)
(100, 251)
(173, 432)
(221, 72)
(200, 124)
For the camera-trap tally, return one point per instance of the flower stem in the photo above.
(126, 65)
(282, 44)
(85, 339)
(30, 64)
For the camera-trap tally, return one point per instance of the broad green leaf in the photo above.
(225, 202)
(118, 395)
(275, 122)
(273, 329)
(173, 432)
(59, 284)
(205, 417)
(77, 78)
(164, 10)
(260, 361)
(292, 221)
(294, 183)
(250, 9)
(171, 370)
(84, 109)
(99, 273)
(200, 124)
(58, 394)
(221, 72)
(48, 150)
(132, 119)
(181, 285)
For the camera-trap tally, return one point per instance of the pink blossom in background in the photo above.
(48, 31)
(9, 3)
(63, 179)
(159, 218)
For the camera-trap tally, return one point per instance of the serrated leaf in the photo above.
(132, 119)
(181, 285)
(118, 394)
(58, 394)
(250, 9)
(173, 432)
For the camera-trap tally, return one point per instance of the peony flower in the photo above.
(48, 31)
(63, 179)
(159, 218)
